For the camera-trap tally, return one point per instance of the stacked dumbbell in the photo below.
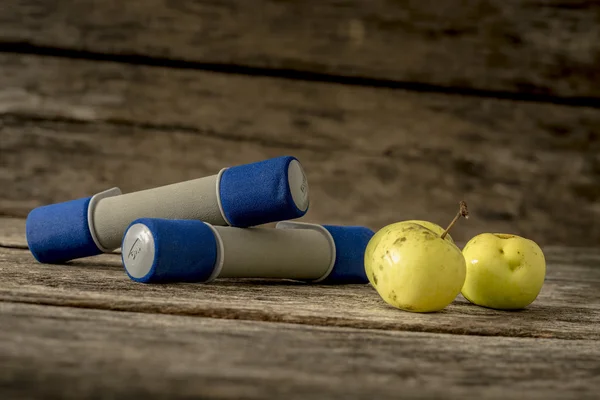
(202, 229)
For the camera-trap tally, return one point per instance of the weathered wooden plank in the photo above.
(73, 128)
(567, 309)
(50, 352)
(547, 47)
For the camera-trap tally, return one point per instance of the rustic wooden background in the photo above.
(397, 109)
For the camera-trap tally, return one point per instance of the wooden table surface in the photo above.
(84, 330)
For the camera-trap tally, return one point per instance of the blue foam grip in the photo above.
(60, 232)
(350, 245)
(184, 251)
(258, 193)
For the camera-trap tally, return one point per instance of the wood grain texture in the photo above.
(548, 47)
(373, 156)
(567, 308)
(12, 233)
(50, 352)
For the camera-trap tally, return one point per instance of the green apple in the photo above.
(503, 271)
(415, 266)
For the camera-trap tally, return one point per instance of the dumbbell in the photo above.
(241, 196)
(163, 250)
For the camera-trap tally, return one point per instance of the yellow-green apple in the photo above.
(415, 265)
(503, 271)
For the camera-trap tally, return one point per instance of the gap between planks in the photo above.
(20, 48)
(510, 46)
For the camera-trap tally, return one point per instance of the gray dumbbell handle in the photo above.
(194, 199)
(305, 254)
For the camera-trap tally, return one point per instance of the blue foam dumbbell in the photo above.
(164, 250)
(240, 196)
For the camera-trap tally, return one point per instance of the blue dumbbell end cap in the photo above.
(262, 192)
(350, 245)
(156, 250)
(60, 232)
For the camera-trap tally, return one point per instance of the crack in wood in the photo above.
(270, 316)
(23, 117)
(25, 48)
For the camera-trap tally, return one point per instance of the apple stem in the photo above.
(462, 212)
